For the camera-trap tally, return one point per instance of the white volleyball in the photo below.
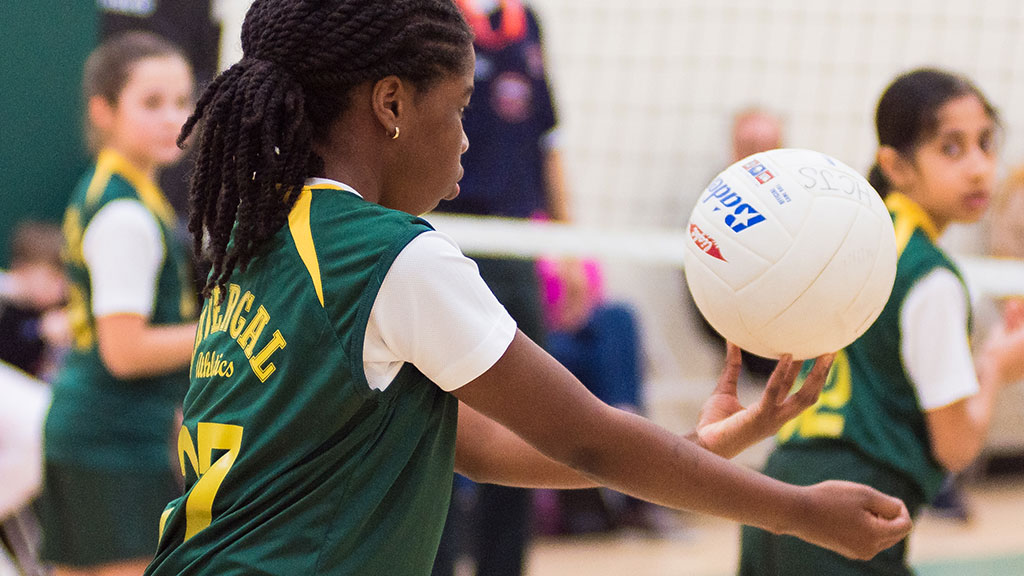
(790, 251)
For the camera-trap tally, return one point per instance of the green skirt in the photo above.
(91, 517)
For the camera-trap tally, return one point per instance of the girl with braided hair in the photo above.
(349, 357)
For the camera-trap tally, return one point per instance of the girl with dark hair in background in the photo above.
(905, 403)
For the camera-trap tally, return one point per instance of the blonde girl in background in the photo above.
(107, 434)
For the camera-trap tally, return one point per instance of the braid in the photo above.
(259, 119)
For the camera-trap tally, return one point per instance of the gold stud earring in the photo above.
(395, 135)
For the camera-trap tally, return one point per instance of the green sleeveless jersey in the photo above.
(293, 464)
(97, 419)
(869, 404)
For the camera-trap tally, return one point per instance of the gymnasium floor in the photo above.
(991, 544)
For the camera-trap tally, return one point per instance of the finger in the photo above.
(731, 371)
(815, 381)
(794, 371)
(781, 380)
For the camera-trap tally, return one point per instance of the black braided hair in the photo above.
(258, 120)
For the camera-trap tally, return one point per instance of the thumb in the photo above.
(893, 520)
(885, 506)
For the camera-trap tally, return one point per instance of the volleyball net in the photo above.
(530, 239)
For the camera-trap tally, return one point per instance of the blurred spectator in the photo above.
(754, 130)
(22, 411)
(33, 326)
(599, 342)
(33, 336)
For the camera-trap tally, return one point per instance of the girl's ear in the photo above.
(897, 169)
(101, 114)
(389, 102)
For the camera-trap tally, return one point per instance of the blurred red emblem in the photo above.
(706, 243)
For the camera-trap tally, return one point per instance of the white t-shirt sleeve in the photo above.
(935, 347)
(434, 311)
(123, 249)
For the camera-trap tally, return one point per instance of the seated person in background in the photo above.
(596, 340)
(33, 328)
(33, 333)
(599, 342)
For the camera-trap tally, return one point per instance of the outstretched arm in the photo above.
(488, 452)
(532, 395)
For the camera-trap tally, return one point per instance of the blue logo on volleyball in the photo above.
(738, 214)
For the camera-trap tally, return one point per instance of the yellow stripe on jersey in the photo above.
(110, 162)
(909, 217)
(302, 234)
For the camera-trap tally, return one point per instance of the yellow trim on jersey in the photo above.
(110, 162)
(302, 234)
(163, 523)
(909, 217)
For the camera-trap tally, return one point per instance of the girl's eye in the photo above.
(151, 102)
(987, 143)
(951, 149)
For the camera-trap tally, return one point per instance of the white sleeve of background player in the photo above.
(123, 249)
(935, 345)
(435, 311)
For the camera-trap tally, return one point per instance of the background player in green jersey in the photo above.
(107, 434)
(906, 402)
(349, 357)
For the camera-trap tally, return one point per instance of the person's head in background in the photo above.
(138, 90)
(36, 278)
(755, 130)
(572, 288)
(1006, 234)
(371, 93)
(938, 139)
